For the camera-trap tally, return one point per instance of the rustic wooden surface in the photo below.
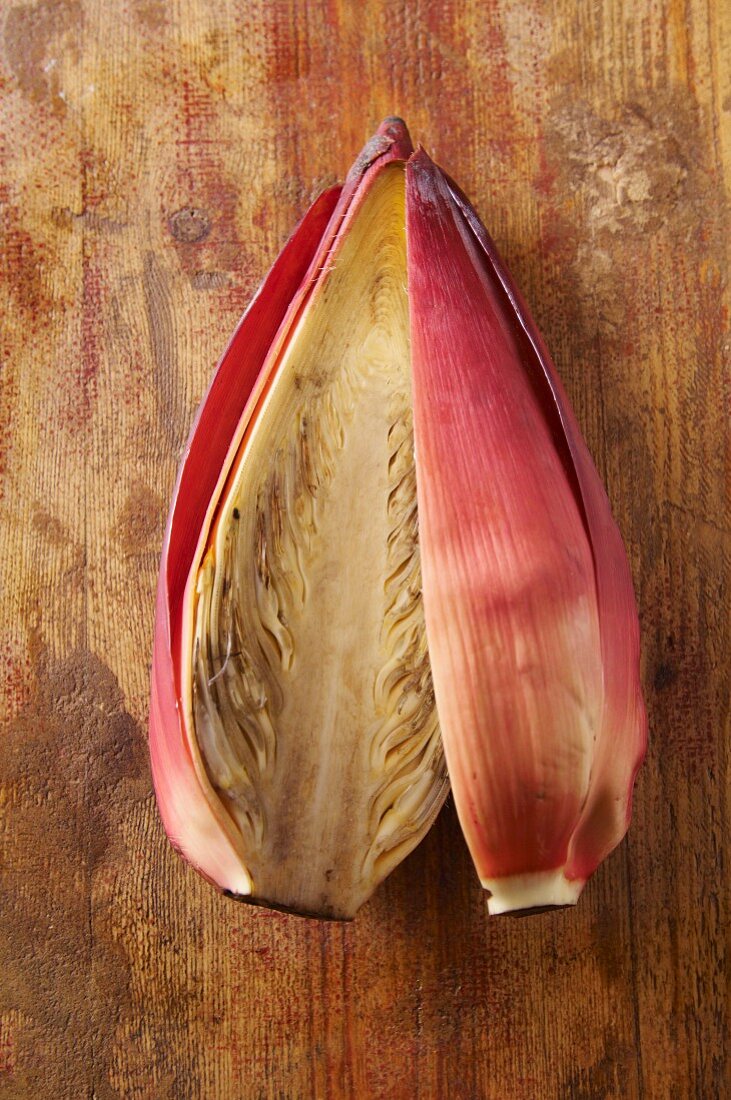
(154, 158)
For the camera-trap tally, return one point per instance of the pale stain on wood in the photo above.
(155, 158)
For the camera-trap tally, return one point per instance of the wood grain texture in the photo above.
(155, 157)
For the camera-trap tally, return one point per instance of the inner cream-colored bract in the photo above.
(312, 696)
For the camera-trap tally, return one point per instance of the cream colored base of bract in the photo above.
(531, 891)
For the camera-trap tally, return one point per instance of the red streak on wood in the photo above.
(7, 1050)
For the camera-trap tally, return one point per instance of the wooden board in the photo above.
(155, 156)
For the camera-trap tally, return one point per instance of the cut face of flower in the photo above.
(313, 551)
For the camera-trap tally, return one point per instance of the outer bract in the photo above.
(531, 619)
(295, 744)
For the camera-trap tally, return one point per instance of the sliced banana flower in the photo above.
(385, 498)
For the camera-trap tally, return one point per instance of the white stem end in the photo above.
(529, 891)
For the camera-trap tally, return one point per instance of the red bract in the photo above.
(530, 612)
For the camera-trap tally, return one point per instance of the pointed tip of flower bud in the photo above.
(390, 141)
(396, 130)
